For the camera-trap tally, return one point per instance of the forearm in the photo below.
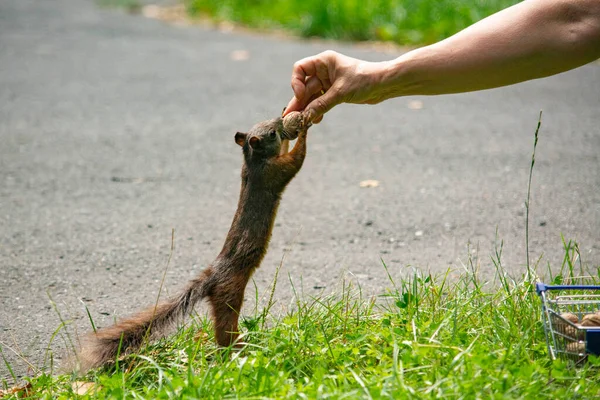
(533, 39)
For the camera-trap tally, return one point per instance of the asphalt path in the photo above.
(116, 129)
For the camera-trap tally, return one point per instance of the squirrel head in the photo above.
(264, 139)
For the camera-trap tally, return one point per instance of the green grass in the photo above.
(404, 21)
(427, 337)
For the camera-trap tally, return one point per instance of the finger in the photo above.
(319, 65)
(293, 105)
(322, 73)
(314, 86)
(314, 97)
(321, 104)
(298, 88)
(301, 70)
(313, 89)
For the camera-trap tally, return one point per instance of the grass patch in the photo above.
(404, 22)
(427, 337)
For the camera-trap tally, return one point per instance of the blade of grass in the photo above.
(527, 201)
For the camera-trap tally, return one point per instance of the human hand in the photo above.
(323, 81)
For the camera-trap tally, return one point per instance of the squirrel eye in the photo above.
(272, 134)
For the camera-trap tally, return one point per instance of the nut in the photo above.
(564, 327)
(292, 124)
(591, 320)
(570, 317)
(576, 347)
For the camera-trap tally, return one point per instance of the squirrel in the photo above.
(266, 171)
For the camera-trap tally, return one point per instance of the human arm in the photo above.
(533, 39)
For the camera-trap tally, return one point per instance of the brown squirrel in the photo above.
(266, 171)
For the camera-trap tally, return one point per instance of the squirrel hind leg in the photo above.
(226, 302)
(225, 319)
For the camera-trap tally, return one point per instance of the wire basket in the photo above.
(567, 338)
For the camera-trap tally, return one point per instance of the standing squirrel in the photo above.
(266, 171)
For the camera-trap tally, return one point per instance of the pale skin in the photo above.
(530, 40)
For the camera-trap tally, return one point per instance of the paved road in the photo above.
(115, 129)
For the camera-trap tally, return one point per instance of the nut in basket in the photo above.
(571, 317)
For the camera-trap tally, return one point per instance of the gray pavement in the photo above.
(115, 129)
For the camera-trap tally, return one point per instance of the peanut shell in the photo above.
(570, 317)
(292, 123)
(590, 320)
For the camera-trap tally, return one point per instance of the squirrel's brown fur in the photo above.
(265, 174)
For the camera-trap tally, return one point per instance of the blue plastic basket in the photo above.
(564, 338)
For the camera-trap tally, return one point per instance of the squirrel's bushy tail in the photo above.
(129, 334)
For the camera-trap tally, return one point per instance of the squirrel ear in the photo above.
(240, 138)
(254, 142)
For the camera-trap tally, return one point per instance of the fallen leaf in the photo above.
(176, 14)
(226, 26)
(415, 104)
(239, 55)
(82, 388)
(16, 389)
(201, 336)
(369, 183)
(151, 11)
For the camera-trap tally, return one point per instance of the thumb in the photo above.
(322, 104)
